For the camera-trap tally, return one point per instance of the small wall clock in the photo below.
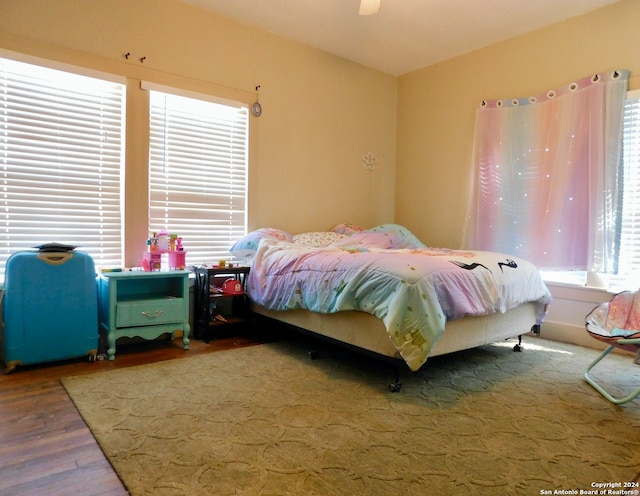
(256, 109)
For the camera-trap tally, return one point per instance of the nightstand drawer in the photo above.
(149, 312)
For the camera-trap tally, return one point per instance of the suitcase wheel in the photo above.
(10, 366)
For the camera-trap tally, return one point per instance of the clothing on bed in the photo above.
(389, 273)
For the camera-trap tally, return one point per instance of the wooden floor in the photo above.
(45, 446)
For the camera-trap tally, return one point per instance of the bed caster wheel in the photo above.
(395, 387)
(314, 355)
(517, 348)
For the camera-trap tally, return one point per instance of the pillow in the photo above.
(365, 239)
(248, 245)
(317, 239)
(400, 236)
(347, 229)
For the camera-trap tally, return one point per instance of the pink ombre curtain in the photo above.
(545, 175)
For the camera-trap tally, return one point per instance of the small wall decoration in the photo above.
(369, 161)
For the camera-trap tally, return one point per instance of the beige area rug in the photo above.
(268, 420)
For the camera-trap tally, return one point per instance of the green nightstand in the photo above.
(143, 304)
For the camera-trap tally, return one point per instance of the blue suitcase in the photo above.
(50, 308)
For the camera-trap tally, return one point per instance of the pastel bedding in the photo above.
(389, 273)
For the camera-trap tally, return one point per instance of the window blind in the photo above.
(629, 262)
(198, 173)
(61, 158)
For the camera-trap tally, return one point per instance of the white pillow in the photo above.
(317, 239)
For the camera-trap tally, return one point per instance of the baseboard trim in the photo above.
(556, 331)
(566, 333)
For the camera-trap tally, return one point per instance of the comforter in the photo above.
(413, 289)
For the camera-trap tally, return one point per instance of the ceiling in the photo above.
(406, 34)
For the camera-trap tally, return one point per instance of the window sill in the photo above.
(575, 292)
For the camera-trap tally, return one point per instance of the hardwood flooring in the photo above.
(45, 446)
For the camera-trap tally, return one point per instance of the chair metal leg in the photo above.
(600, 389)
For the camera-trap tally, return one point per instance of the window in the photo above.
(557, 181)
(546, 173)
(629, 260)
(198, 173)
(61, 159)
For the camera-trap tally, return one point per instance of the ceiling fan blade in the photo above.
(368, 7)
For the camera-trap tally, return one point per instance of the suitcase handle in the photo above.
(55, 258)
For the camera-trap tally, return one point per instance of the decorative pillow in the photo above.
(347, 229)
(365, 239)
(317, 239)
(400, 236)
(248, 245)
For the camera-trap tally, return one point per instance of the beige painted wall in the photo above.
(436, 107)
(321, 114)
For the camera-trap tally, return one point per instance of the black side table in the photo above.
(213, 309)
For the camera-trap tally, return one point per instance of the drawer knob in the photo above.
(152, 315)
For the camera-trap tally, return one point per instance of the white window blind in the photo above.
(61, 158)
(628, 276)
(198, 173)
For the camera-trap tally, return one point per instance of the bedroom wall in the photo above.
(323, 113)
(306, 168)
(437, 104)
(436, 114)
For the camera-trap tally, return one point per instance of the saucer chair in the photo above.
(617, 323)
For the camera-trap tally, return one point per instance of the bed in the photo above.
(384, 291)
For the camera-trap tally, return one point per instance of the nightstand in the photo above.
(213, 309)
(143, 304)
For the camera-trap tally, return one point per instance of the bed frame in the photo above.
(365, 332)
